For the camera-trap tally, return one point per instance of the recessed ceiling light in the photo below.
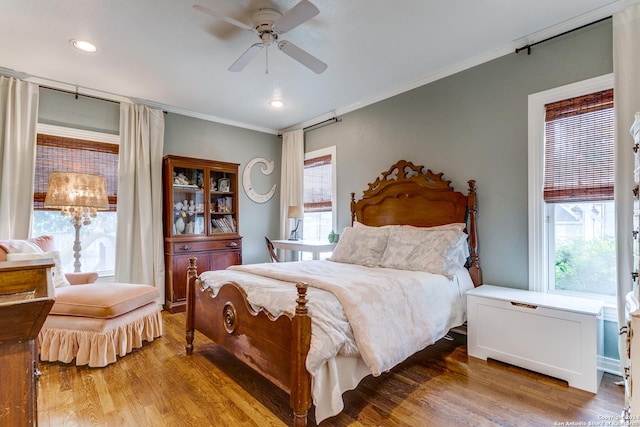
(276, 103)
(83, 45)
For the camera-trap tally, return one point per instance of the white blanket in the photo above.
(383, 315)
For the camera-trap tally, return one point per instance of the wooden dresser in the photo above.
(26, 296)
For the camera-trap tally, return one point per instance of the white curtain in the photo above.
(291, 178)
(626, 71)
(139, 238)
(18, 119)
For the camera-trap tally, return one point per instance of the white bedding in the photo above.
(364, 319)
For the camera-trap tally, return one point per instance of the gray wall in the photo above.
(63, 109)
(191, 137)
(471, 125)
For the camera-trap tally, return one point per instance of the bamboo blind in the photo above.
(579, 149)
(56, 153)
(318, 184)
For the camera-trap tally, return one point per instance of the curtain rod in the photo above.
(77, 94)
(323, 123)
(529, 46)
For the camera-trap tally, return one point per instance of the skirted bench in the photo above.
(93, 323)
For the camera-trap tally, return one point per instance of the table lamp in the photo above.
(295, 212)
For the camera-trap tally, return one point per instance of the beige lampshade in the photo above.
(295, 212)
(70, 189)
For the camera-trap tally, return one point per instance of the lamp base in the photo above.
(294, 232)
(294, 235)
(77, 247)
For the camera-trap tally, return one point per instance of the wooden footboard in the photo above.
(275, 347)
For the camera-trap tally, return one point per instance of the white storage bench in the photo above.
(556, 335)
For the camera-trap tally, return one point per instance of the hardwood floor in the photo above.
(159, 385)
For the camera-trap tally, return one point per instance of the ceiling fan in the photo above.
(269, 25)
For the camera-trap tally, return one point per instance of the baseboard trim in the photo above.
(609, 365)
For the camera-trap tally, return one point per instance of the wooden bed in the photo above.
(277, 348)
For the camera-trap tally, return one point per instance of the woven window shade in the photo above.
(59, 154)
(579, 144)
(317, 184)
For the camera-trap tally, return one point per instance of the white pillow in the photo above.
(362, 246)
(438, 251)
(59, 279)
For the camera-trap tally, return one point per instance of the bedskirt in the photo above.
(98, 342)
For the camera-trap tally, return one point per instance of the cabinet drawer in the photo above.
(186, 247)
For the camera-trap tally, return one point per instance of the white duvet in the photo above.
(381, 315)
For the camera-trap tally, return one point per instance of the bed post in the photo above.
(300, 343)
(472, 204)
(353, 208)
(192, 274)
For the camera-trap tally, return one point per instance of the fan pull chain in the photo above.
(266, 68)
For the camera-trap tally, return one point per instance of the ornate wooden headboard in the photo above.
(407, 195)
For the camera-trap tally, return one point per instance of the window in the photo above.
(571, 171)
(55, 152)
(319, 194)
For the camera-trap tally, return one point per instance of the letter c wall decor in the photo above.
(266, 168)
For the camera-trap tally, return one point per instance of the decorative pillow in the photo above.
(439, 251)
(459, 226)
(363, 246)
(59, 279)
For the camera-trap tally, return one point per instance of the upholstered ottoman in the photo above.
(97, 323)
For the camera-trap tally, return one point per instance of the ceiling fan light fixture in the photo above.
(276, 103)
(269, 24)
(83, 45)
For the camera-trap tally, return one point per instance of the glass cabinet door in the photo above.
(188, 201)
(222, 203)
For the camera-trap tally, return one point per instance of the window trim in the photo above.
(538, 243)
(329, 151)
(82, 134)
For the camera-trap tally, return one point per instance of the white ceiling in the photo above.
(169, 55)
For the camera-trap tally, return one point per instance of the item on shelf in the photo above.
(223, 184)
(180, 179)
(180, 225)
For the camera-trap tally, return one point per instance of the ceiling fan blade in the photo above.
(301, 12)
(246, 57)
(303, 57)
(223, 17)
